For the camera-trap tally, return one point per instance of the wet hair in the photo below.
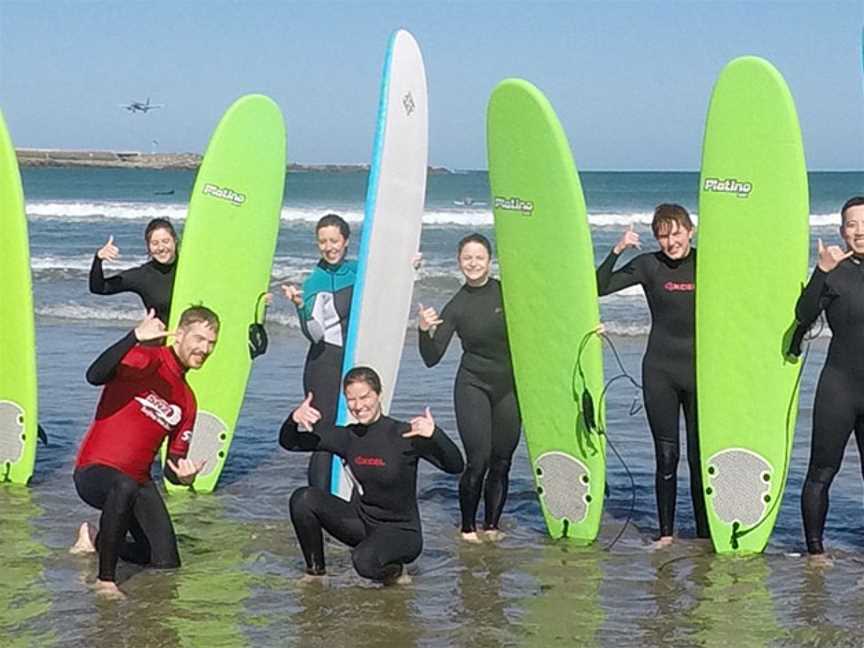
(362, 374)
(199, 313)
(668, 214)
(157, 224)
(854, 201)
(334, 220)
(475, 238)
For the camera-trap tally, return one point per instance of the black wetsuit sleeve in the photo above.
(323, 437)
(103, 368)
(814, 299)
(99, 285)
(440, 451)
(433, 346)
(610, 281)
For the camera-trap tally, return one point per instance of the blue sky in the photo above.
(630, 80)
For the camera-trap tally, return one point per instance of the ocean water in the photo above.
(239, 582)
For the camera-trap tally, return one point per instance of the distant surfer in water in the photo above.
(668, 367)
(153, 282)
(836, 287)
(487, 414)
(382, 521)
(145, 399)
(323, 307)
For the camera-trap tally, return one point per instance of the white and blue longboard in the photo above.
(391, 229)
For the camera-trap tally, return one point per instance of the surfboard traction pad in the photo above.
(208, 441)
(563, 484)
(11, 432)
(739, 486)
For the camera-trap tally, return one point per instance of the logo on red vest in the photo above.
(672, 286)
(160, 410)
(377, 462)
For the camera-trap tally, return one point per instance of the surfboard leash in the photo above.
(591, 422)
(737, 533)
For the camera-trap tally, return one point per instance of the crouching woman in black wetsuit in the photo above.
(153, 282)
(668, 367)
(837, 287)
(382, 521)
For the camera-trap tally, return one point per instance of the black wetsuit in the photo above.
(838, 407)
(153, 282)
(382, 521)
(485, 401)
(668, 370)
(323, 317)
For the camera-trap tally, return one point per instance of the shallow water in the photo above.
(239, 584)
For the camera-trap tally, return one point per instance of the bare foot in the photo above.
(109, 590)
(495, 535)
(402, 579)
(309, 579)
(471, 537)
(84, 541)
(662, 542)
(820, 561)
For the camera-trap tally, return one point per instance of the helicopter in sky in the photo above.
(141, 106)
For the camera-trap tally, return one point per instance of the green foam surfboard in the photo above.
(551, 315)
(753, 253)
(225, 262)
(18, 410)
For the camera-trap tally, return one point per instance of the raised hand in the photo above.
(831, 256)
(421, 426)
(185, 469)
(629, 239)
(151, 328)
(109, 251)
(427, 318)
(306, 416)
(293, 293)
(417, 261)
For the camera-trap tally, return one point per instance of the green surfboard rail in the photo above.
(225, 261)
(541, 221)
(753, 255)
(18, 397)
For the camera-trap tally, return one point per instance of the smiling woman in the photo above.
(153, 281)
(382, 521)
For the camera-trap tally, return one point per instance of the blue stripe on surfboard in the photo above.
(342, 417)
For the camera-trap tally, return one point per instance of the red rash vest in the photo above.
(146, 400)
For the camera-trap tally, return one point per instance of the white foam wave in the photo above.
(109, 210)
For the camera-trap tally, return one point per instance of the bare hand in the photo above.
(417, 261)
(422, 426)
(151, 328)
(630, 239)
(293, 293)
(185, 469)
(427, 318)
(109, 251)
(831, 256)
(306, 416)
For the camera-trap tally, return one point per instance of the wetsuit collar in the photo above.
(331, 267)
(674, 263)
(163, 267)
